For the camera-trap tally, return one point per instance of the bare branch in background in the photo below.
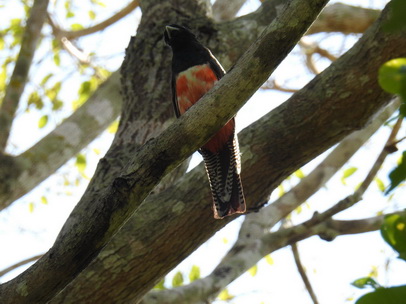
(272, 84)
(60, 33)
(22, 173)
(302, 272)
(19, 264)
(19, 77)
(344, 18)
(239, 261)
(311, 48)
(357, 195)
(225, 9)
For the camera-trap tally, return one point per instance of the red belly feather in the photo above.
(191, 85)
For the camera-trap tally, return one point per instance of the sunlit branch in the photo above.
(19, 77)
(19, 264)
(58, 32)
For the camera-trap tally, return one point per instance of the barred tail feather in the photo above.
(223, 170)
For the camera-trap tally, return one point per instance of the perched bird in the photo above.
(194, 72)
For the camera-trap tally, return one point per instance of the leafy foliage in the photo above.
(194, 273)
(365, 282)
(397, 21)
(393, 231)
(398, 174)
(392, 295)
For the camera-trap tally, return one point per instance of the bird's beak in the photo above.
(170, 29)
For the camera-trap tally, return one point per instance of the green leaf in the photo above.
(44, 200)
(397, 19)
(380, 184)
(398, 174)
(98, 2)
(365, 282)
(393, 231)
(392, 295)
(31, 207)
(113, 127)
(43, 121)
(160, 285)
(57, 59)
(392, 77)
(92, 15)
(36, 100)
(253, 270)
(281, 190)
(269, 259)
(194, 273)
(81, 163)
(70, 14)
(76, 27)
(57, 104)
(46, 78)
(177, 279)
(347, 173)
(299, 174)
(224, 295)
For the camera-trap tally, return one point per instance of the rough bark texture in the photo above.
(101, 212)
(18, 175)
(169, 226)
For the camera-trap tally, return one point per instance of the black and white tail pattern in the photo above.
(223, 169)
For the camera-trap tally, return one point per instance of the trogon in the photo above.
(194, 72)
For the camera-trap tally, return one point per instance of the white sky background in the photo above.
(331, 267)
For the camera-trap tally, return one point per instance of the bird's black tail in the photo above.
(223, 170)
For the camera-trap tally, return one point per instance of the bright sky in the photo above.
(331, 266)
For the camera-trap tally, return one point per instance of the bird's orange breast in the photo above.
(191, 85)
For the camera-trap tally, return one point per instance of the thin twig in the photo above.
(273, 85)
(19, 78)
(19, 264)
(59, 33)
(357, 195)
(302, 273)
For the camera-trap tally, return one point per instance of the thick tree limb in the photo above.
(169, 226)
(336, 17)
(19, 77)
(256, 226)
(90, 226)
(13, 180)
(21, 174)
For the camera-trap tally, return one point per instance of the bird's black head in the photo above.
(177, 36)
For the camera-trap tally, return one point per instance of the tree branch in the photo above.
(336, 17)
(19, 77)
(19, 264)
(86, 233)
(302, 272)
(224, 10)
(239, 261)
(21, 174)
(344, 18)
(272, 148)
(60, 33)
